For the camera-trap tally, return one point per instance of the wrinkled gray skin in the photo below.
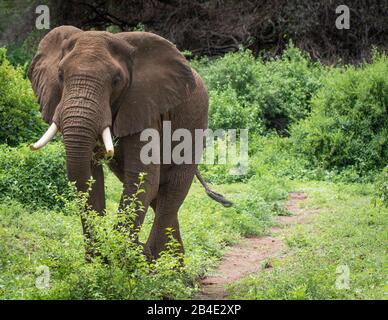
(87, 81)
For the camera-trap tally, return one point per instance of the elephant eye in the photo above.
(116, 80)
(60, 76)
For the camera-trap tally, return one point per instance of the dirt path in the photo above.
(248, 256)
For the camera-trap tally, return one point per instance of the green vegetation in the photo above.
(19, 116)
(21, 53)
(316, 128)
(349, 123)
(34, 178)
(31, 238)
(251, 93)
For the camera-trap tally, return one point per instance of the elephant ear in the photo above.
(161, 79)
(43, 72)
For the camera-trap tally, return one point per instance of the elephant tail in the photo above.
(214, 195)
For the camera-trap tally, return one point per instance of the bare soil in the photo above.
(252, 254)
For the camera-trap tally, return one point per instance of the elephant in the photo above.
(92, 84)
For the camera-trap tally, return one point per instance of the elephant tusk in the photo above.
(48, 135)
(108, 142)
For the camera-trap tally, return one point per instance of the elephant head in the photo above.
(91, 82)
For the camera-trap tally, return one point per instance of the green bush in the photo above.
(19, 116)
(275, 155)
(227, 112)
(250, 93)
(237, 70)
(348, 126)
(285, 87)
(36, 179)
(22, 52)
(54, 241)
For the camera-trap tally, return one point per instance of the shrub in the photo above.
(55, 242)
(349, 123)
(285, 87)
(227, 112)
(36, 179)
(22, 52)
(253, 93)
(19, 116)
(237, 70)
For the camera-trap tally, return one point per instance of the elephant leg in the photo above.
(169, 199)
(97, 202)
(134, 224)
(127, 166)
(138, 219)
(97, 194)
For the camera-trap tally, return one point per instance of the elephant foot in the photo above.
(151, 255)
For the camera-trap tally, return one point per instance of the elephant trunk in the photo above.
(79, 143)
(80, 123)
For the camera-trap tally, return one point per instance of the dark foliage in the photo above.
(214, 27)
